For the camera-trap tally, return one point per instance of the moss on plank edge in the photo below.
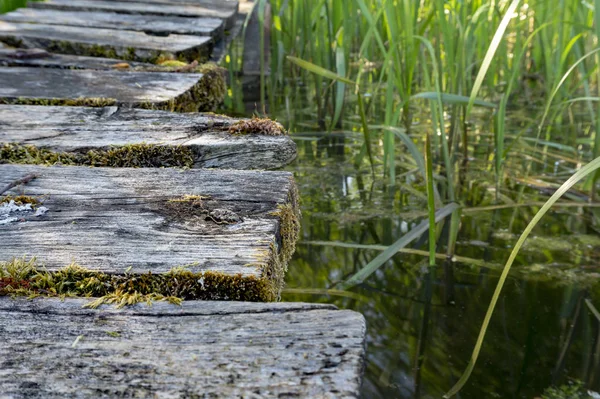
(131, 155)
(23, 277)
(69, 102)
(205, 95)
(264, 126)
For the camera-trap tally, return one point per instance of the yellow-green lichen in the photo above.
(22, 277)
(256, 125)
(133, 155)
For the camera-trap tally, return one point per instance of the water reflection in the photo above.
(423, 322)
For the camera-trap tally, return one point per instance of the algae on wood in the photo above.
(80, 129)
(225, 10)
(150, 24)
(157, 90)
(109, 43)
(118, 220)
(200, 349)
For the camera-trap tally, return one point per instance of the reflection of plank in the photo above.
(129, 45)
(225, 10)
(151, 24)
(47, 86)
(118, 219)
(201, 349)
(67, 129)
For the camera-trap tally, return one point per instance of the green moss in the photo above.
(256, 125)
(22, 277)
(133, 155)
(172, 64)
(205, 95)
(77, 102)
(19, 200)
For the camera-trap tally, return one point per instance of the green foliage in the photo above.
(572, 390)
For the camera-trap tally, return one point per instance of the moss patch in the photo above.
(19, 200)
(256, 125)
(134, 155)
(78, 102)
(205, 95)
(22, 277)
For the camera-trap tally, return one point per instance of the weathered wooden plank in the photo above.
(51, 349)
(150, 24)
(42, 59)
(96, 42)
(225, 10)
(79, 129)
(155, 90)
(239, 235)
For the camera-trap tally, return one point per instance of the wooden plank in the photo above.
(150, 24)
(79, 129)
(42, 59)
(225, 10)
(186, 92)
(123, 44)
(53, 349)
(239, 236)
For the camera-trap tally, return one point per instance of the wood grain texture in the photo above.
(79, 129)
(150, 24)
(117, 219)
(42, 59)
(159, 90)
(225, 10)
(122, 44)
(201, 349)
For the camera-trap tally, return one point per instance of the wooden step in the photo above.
(234, 231)
(80, 129)
(200, 349)
(122, 44)
(150, 24)
(225, 10)
(186, 92)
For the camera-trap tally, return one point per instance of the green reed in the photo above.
(396, 49)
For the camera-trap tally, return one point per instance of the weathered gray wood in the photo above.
(42, 59)
(52, 349)
(118, 219)
(225, 10)
(156, 90)
(65, 129)
(151, 24)
(123, 44)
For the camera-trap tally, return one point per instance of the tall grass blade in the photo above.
(489, 56)
(319, 70)
(430, 200)
(582, 173)
(409, 237)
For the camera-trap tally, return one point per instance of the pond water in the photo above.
(423, 322)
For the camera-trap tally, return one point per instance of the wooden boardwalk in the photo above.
(81, 129)
(200, 349)
(114, 192)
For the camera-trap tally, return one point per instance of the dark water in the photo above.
(423, 322)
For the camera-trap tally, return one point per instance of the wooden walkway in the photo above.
(115, 191)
